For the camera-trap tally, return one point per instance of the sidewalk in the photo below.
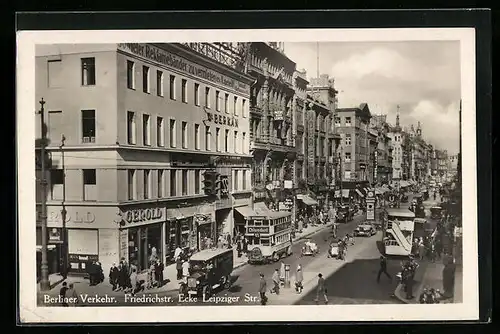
(82, 285)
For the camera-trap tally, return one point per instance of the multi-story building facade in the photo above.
(141, 123)
(419, 155)
(398, 144)
(271, 123)
(372, 164)
(352, 125)
(383, 154)
(320, 138)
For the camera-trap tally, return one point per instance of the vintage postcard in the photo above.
(259, 175)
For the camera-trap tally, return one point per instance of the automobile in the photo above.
(209, 270)
(436, 212)
(365, 230)
(309, 249)
(344, 214)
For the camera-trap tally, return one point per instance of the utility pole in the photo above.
(64, 250)
(44, 282)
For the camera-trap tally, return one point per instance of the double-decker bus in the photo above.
(269, 237)
(398, 233)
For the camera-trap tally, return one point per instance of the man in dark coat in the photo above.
(178, 266)
(262, 290)
(114, 276)
(62, 293)
(383, 269)
(159, 272)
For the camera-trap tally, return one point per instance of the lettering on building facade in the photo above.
(143, 215)
(222, 120)
(166, 58)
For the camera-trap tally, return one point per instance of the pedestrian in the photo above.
(245, 245)
(151, 276)
(185, 268)
(276, 282)
(71, 295)
(408, 282)
(159, 267)
(321, 289)
(282, 273)
(134, 286)
(178, 266)
(262, 290)
(383, 269)
(177, 252)
(239, 248)
(114, 276)
(299, 277)
(62, 294)
(421, 249)
(423, 296)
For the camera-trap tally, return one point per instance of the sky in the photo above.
(422, 77)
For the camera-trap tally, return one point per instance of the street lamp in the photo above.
(337, 139)
(44, 282)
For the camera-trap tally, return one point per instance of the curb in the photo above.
(397, 293)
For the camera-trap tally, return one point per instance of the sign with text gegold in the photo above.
(258, 229)
(146, 215)
(169, 59)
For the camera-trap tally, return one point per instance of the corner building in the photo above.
(141, 125)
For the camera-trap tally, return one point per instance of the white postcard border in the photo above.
(27, 104)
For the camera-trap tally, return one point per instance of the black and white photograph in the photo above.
(256, 175)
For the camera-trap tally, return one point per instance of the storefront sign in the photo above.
(258, 229)
(222, 120)
(166, 58)
(77, 217)
(143, 215)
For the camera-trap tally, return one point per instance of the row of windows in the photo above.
(229, 142)
(223, 101)
(89, 183)
(55, 78)
(347, 121)
(178, 181)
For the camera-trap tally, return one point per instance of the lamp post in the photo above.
(44, 282)
(337, 140)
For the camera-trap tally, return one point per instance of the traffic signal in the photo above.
(210, 182)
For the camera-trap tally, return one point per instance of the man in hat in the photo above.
(262, 289)
(383, 269)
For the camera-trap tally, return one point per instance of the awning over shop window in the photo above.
(246, 211)
(307, 200)
(359, 193)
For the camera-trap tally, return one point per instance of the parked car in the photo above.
(209, 270)
(365, 230)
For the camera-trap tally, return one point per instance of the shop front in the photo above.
(55, 251)
(142, 236)
(241, 203)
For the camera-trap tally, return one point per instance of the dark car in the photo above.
(344, 214)
(209, 270)
(365, 230)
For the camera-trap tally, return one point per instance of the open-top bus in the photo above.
(269, 237)
(398, 231)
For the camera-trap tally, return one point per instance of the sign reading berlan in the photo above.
(164, 57)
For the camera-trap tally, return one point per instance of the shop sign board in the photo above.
(258, 229)
(146, 215)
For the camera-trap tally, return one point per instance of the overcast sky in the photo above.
(423, 78)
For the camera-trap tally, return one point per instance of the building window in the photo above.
(145, 79)
(130, 74)
(348, 121)
(217, 100)
(89, 185)
(88, 126)
(172, 87)
(217, 139)
(131, 184)
(184, 135)
(173, 134)
(226, 103)
(348, 139)
(236, 142)
(160, 183)
(160, 133)
(54, 74)
(244, 108)
(184, 182)
(88, 71)
(197, 181)
(131, 130)
(207, 137)
(244, 186)
(184, 90)
(235, 181)
(226, 141)
(146, 130)
(57, 182)
(173, 182)
(197, 136)
(235, 106)
(244, 143)
(147, 183)
(348, 157)
(197, 94)
(159, 83)
(207, 97)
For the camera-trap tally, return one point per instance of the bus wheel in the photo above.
(275, 257)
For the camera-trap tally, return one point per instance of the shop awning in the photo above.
(307, 200)
(246, 211)
(360, 194)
